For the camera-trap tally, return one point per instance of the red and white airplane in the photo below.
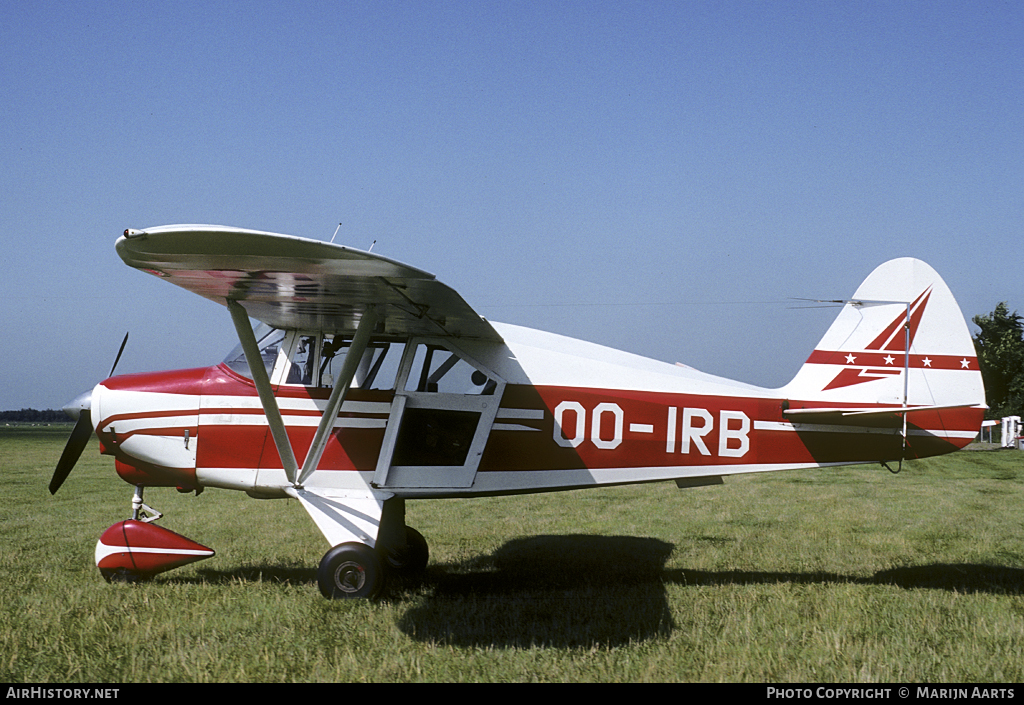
(369, 382)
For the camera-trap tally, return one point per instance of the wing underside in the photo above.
(297, 283)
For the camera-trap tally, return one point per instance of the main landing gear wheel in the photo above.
(350, 570)
(410, 560)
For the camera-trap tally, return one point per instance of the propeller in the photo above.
(118, 358)
(80, 409)
(73, 450)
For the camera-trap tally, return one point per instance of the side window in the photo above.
(377, 370)
(437, 369)
(316, 360)
(302, 361)
(333, 349)
(379, 366)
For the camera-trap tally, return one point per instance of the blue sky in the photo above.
(661, 177)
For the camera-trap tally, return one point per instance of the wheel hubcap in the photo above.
(349, 576)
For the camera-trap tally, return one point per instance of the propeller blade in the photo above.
(81, 409)
(73, 450)
(118, 358)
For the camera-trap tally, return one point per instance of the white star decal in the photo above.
(965, 364)
(850, 359)
(889, 359)
(927, 362)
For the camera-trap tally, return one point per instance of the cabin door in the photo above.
(440, 419)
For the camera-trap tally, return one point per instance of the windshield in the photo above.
(269, 341)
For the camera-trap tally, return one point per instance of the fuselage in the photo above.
(542, 412)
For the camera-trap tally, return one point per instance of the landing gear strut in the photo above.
(140, 511)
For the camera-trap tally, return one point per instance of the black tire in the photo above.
(350, 571)
(411, 560)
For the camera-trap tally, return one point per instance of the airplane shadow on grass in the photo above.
(561, 591)
(597, 591)
(583, 591)
(959, 577)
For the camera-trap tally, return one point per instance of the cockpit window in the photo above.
(269, 341)
(317, 359)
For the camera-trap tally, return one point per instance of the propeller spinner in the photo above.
(81, 410)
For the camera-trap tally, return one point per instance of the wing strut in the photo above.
(262, 380)
(341, 387)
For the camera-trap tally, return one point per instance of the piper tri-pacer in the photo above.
(368, 383)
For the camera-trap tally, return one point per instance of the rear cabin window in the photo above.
(437, 369)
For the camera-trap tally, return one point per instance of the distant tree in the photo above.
(33, 416)
(1000, 347)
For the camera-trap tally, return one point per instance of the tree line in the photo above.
(1000, 347)
(34, 416)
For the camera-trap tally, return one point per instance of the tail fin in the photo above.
(901, 341)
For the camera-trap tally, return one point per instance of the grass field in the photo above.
(843, 575)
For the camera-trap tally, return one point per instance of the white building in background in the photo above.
(1010, 431)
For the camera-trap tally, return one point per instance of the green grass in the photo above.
(811, 576)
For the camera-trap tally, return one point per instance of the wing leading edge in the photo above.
(291, 282)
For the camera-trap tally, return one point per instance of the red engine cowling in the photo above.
(134, 550)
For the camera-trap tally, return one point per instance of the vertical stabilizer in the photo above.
(900, 340)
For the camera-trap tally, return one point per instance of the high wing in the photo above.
(291, 282)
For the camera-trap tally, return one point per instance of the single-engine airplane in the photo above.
(369, 382)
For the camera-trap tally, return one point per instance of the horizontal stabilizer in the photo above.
(878, 417)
